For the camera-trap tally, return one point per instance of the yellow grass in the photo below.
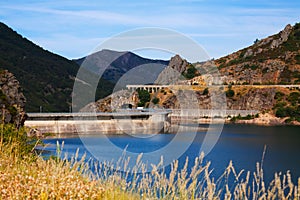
(32, 177)
(52, 179)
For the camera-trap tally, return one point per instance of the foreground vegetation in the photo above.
(25, 175)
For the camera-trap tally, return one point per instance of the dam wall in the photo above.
(103, 123)
(98, 126)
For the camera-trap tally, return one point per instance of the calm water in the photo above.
(243, 144)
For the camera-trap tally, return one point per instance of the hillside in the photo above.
(46, 78)
(114, 64)
(273, 60)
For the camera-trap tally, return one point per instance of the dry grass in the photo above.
(53, 179)
(32, 177)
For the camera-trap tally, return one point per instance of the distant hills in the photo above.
(47, 78)
(114, 64)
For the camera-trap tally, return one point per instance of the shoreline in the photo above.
(266, 120)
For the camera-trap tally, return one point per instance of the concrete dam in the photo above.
(125, 121)
(130, 122)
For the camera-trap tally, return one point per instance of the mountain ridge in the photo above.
(112, 65)
(46, 78)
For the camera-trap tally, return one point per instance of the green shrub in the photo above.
(265, 70)
(205, 91)
(280, 105)
(281, 112)
(279, 95)
(287, 112)
(155, 100)
(294, 97)
(144, 97)
(233, 62)
(229, 93)
(252, 67)
(191, 72)
(297, 57)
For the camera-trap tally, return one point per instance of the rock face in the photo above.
(113, 102)
(253, 99)
(284, 35)
(178, 64)
(173, 72)
(12, 100)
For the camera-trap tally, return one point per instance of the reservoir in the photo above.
(242, 144)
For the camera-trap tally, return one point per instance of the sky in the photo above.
(74, 28)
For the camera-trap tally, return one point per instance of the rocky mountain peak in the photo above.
(178, 64)
(283, 37)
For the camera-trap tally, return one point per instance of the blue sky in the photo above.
(73, 28)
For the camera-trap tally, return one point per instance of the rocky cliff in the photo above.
(12, 100)
(111, 103)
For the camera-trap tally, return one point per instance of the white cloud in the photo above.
(108, 17)
(74, 28)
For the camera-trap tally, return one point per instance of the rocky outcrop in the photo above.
(12, 100)
(283, 37)
(252, 99)
(178, 64)
(173, 72)
(113, 102)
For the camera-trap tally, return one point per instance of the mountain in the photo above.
(273, 60)
(113, 64)
(46, 78)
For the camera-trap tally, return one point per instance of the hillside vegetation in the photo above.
(46, 78)
(273, 60)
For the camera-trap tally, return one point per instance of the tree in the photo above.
(191, 72)
(144, 97)
(229, 93)
(155, 100)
